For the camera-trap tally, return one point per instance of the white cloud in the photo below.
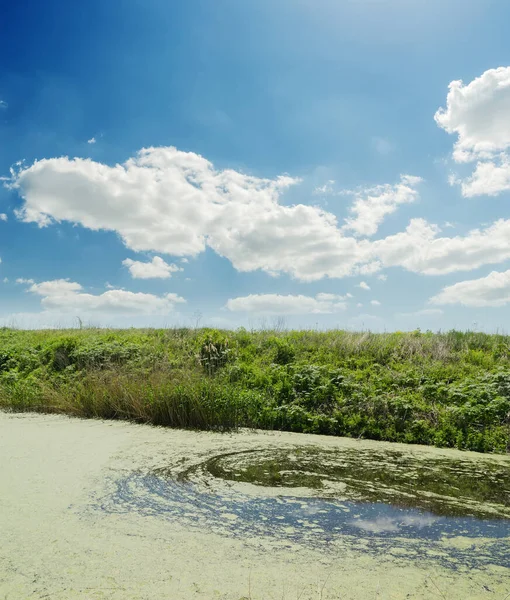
(62, 295)
(325, 190)
(3, 104)
(55, 288)
(364, 285)
(489, 178)
(493, 290)
(373, 204)
(173, 202)
(420, 250)
(92, 140)
(382, 277)
(375, 303)
(21, 280)
(176, 203)
(359, 305)
(156, 269)
(479, 114)
(276, 304)
(6, 280)
(3, 217)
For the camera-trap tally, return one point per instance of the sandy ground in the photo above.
(59, 540)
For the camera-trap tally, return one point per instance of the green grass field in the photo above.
(445, 389)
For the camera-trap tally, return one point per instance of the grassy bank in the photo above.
(450, 389)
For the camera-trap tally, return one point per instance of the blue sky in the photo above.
(310, 159)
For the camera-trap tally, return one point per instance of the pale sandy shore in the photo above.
(66, 531)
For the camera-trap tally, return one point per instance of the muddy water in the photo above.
(91, 509)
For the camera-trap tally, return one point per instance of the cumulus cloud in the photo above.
(364, 285)
(177, 203)
(479, 114)
(62, 295)
(493, 290)
(3, 104)
(156, 269)
(92, 140)
(420, 250)
(375, 303)
(3, 217)
(372, 205)
(489, 178)
(276, 304)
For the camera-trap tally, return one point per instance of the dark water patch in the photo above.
(375, 528)
(393, 504)
(438, 485)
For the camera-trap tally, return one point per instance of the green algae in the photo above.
(443, 486)
(57, 544)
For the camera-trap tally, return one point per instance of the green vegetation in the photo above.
(448, 389)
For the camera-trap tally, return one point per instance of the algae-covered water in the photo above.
(111, 510)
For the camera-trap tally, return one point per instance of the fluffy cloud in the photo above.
(176, 203)
(493, 290)
(489, 178)
(63, 295)
(364, 285)
(3, 217)
(275, 304)
(375, 303)
(372, 205)
(92, 140)
(419, 249)
(479, 114)
(156, 269)
(162, 200)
